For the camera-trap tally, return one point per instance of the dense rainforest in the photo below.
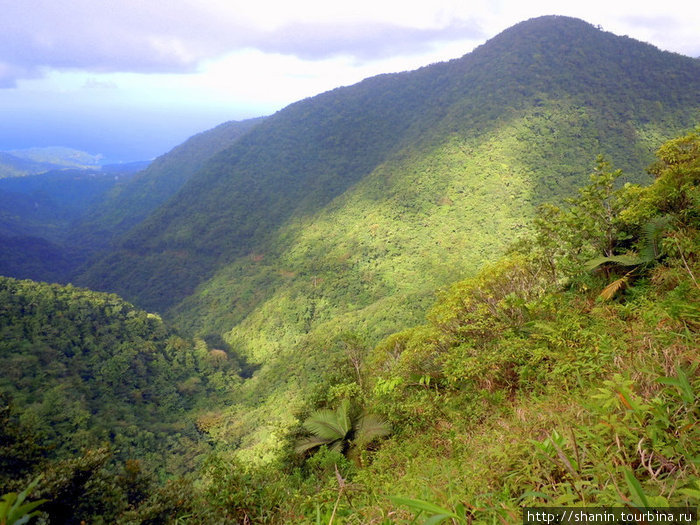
(444, 294)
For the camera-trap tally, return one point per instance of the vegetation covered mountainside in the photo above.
(52, 223)
(47, 205)
(563, 374)
(14, 166)
(130, 204)
(558, 85)
(318, 378)
(37, 214)
(86, 369)
(347, 211)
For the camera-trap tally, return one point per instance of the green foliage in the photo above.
(128, 204)
(13, 510)
(324, 232)
(345, 430)
(82, 368)
(350, 209)
(513, 122)
(435, 514)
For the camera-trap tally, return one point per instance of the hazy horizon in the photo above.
(132, 81)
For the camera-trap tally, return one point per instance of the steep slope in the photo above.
(554, 81)
(130, 204)
(36, 215)
(46, 205)
(86, 368)
(345, 212)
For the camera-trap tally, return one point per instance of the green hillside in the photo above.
(47, 205)
(129, 204)
(563, 374)
(83, 369)
(14, 166)
(37, 215)
(559, 89)
(323, 381)
(347, 211)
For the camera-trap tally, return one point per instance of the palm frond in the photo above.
(344, 416)
(310, 442)
(618, 284)
(370, 427)
(327, 425)
(652, 234)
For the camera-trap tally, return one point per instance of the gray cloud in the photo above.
(135, 36)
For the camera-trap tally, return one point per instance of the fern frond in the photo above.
(610, 290)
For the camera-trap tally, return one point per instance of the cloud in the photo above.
(681, 37)
(176, 37)
(366, 41)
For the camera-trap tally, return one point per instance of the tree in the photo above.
(567, 238)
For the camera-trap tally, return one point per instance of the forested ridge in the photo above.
(434, 296)
(128, 205)
(559, 85)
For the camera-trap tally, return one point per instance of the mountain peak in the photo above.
(589, 92)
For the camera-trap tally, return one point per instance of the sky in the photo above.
(131, 79)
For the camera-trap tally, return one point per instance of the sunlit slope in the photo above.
(367, 264)
(516, 122)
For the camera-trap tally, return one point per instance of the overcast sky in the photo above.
(130, 79)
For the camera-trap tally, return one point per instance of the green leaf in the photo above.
(425, 506)
(693, 493)
(437, 518)
(13, 512)
(620, 260)
(370, 427)
(636, 489)
(308, 443)
(326, 424)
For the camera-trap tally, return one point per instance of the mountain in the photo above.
(535, 382)
(130, 204)
(37, 212)
(50, 224)
(557, 366)
(567, 89)
(45, 205)
(348, 210)
(14, 166)
(59, 157)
